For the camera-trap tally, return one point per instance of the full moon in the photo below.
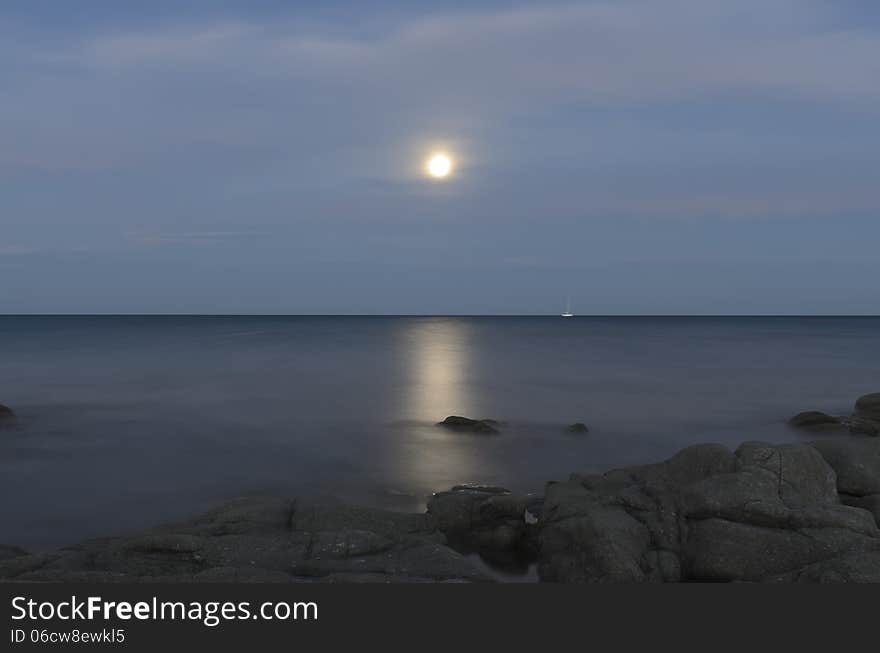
(439, 165)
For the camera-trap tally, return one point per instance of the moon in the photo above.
(439, 165)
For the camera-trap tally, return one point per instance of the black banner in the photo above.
(284, 617)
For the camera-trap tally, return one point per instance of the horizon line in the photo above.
(536, 315)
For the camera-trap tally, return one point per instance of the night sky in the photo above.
(686, 156)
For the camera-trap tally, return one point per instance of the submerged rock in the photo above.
(577, 427)
(815, 419)
(457, 423)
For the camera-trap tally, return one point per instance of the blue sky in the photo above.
(690, 156)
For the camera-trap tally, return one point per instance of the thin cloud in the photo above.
(625, 50)
(15, 250)
(194, 237)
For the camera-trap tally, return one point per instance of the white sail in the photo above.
(568, 312)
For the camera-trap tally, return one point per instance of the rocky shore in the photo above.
(805, 512)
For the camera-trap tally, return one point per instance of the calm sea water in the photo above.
(126, 422)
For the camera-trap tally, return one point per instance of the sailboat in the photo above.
(568, 312)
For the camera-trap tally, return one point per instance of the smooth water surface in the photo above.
(126, 422)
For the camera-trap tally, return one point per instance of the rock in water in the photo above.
(863, 426)
(457, 423)
(6, 415)
(577, 427)
(869, 406)
(814, 419)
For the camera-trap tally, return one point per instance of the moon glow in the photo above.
(439, 165)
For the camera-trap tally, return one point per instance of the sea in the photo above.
(125, 422)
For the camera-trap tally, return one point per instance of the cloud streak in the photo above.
(633, 50)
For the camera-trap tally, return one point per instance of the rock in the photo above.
(647, 494)
(814, 419)
(863, 426)
(484, 489)
(802, 475)
(6, 414)
(456, 423)
(583, 539)
(864, 421)
(262, 540)
(869, 405)
(853, 568)
(871, 503)
(766, 512)
(718, 549)
(706, 514)
(458, 510)
(689, 465)
(7, 552)
(577, 427)
(486, 519)
(856, 461)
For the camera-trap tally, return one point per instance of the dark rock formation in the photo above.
(577, 427)
(763, 513)
(6, 413)
(864, 421)
(466, 424)
(863, 426)
(815, 419)
(489, 520)
(262, 540)
(869, 405)
(856, 461)
(7, 552)
(869, 502)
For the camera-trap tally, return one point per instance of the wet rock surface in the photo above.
(577, 427)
